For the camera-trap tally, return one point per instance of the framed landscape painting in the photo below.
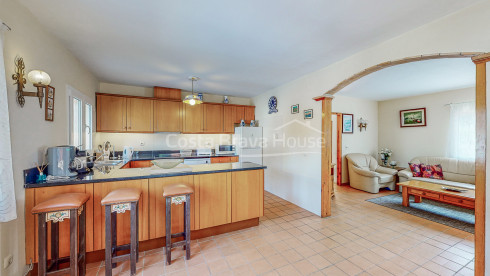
(347, 123)
(413, 117)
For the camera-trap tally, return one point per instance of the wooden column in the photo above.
(326, 155)
(480, 159)
(339, 149)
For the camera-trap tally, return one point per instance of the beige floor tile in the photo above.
(261, 267)
(288, 270)
(333, 271)
(348, 267)
(305, 267)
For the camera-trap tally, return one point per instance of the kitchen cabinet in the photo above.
(247, 195)
(239, 114)
(167, 116)
(124, 114)
(111, 113)
(139, 115)
(157, 206)
(224, 159)
(213, 118)
(193, 118)
(249, 114)
(229, 119)
(214, 199)
(123, 220)
(38, 195)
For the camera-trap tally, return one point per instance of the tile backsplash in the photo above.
(161, 141)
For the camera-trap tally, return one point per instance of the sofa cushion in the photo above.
(437, 172)
(383, 178)
(427, 171)
(415, 168)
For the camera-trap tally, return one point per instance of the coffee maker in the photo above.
(61, 160)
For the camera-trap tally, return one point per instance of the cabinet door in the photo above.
(157, 206)
(111, 114)
(35, 196)
(123, 220)
(239, 114)
(167, 116)
(213, 118)
(234, 159)
(193, 118)
(247, 195)
(249, 114)
(140, 115)
(214, 195)
(229, 119)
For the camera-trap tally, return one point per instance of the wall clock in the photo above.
(272, 105)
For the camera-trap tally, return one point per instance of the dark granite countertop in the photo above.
(115, 173)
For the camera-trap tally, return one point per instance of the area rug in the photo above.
(453, 216)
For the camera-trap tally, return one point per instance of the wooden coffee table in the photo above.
(421, 189)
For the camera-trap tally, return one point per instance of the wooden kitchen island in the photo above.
(228, 197)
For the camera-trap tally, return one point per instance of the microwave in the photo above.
(224, 149)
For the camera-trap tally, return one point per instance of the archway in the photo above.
(480, 59)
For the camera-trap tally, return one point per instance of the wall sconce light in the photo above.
(362, 124)
(39, 79)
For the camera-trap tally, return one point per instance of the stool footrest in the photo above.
(178, 235)
(177, 244)
(121, 258)
(121, 247)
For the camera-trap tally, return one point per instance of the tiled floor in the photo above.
(360, 238)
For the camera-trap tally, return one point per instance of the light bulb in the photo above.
(192, 102)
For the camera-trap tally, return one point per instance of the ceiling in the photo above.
(412, 79)
(241, 48)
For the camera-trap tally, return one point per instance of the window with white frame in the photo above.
(81, 119)
(462, 131)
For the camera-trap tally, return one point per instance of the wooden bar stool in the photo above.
(117, 202)
(56, 209)
(177, 194)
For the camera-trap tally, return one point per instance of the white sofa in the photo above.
(456, 172)
(365, 173)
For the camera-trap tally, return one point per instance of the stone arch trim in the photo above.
(387, 64)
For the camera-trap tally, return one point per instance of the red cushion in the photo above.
(427, 171)
(437, 169)
(415, 168)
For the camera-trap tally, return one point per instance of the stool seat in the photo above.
(177, 190)
(122, 196)
(61, 202)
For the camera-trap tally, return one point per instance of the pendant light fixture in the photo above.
(192, 99)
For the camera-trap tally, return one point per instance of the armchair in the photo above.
(365, 173)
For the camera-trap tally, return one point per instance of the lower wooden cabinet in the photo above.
(214, 196)
(219, 198)
(123, 220)
(157, 206)
(38, 195)
(247, 195)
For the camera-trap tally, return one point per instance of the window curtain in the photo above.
(462, 131)
(7, 193)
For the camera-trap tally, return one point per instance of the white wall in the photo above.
(29, 131)
(410, 142)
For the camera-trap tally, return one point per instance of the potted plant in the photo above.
(385, 155)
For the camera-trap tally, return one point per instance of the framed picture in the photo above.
(49, 104)
(295, 109)
(308, 114)
(413, 117)
(347, 123)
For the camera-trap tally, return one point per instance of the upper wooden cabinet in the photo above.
(121, 113)
(139, 115)
(239, 114)
(249, 114)
(124, 114)
(213, 118)
(193, 118)
(229, 119)
(167, 116)
(111, 113)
